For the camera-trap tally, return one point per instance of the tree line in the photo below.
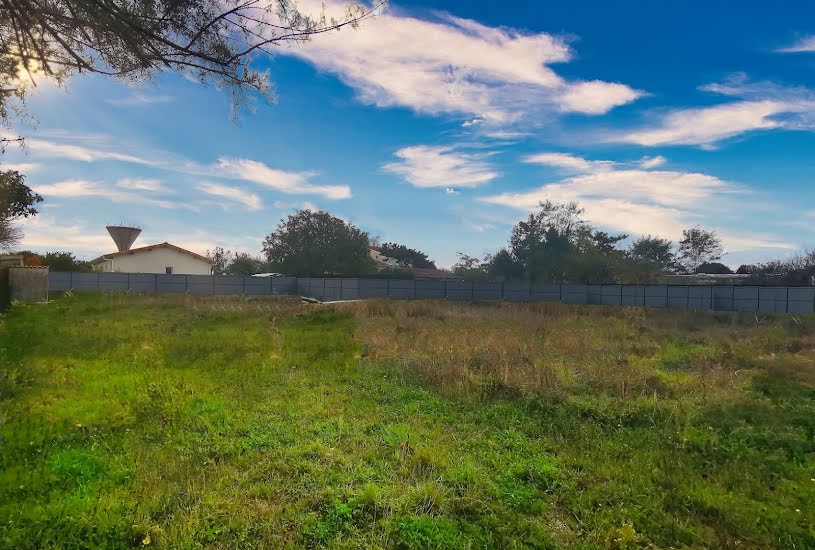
(556, 244)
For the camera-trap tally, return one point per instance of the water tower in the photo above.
(123, 236)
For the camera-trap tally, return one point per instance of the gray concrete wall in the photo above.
(28, 284)
(696, 297)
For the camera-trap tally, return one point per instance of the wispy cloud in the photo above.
(138, 99)
(760, 106)
(143, 184)
(804, 45)
(288, 182)
(448, 65)
(232, 194)
(24, 167)
(81, 188)
(652, 162)
(441, 166)
(634, 201)
(292, 183)
(568, 162)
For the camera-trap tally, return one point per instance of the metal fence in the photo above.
(766, 299)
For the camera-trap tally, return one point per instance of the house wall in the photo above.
(154, 261)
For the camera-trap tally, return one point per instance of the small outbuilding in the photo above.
(163, 258)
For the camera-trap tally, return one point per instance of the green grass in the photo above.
(176, 422)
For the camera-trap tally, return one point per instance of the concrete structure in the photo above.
(123, 236)
(163, 258)
(28, 284)
(10, 260)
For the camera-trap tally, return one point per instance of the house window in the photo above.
(168, 270)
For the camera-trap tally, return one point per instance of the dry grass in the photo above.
(481, 349)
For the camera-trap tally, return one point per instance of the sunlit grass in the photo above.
(181, 422)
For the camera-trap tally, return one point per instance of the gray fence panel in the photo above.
(430, 290)
(201, 284)
(373, 288)
(255, 286)
(143, 282)
(59, 280)
(113, 281)
(632, 295)
(459, 290)
(85, 281)
(171, 283)
(228, 284)
(700, 297)
(655, 295)
(611, 295)
(720, 297)
(594, 294)
(575, 294)
(544, 293)
(405, 290)
(332, 290)
(350, 289)
(745, 298)
(772, 299)
(723, 298)
(487, 291)
(517, 292)
(678, 297)
(284, 285)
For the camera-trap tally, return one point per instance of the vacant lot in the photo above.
(184, 422)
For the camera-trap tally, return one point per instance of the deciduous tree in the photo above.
(698, 246)
(317, 243)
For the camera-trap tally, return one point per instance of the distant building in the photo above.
(383, 262)
(163, 258)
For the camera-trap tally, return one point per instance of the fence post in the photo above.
(243, 280)
(388, 287)
(186, 284)
(128, 282)
(70, 280)
(155, 282)
(97, 280)
(213, 283)
(445, 288)
(503, 295)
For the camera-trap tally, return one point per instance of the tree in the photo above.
(653, 252)
(698, 246)
(220, 259)
(470, 268)
(407, 257)
(244, 264)
(64, 261)
(501, 266)
(17, 201)
(605, 243)
(211, 41)
(317, 243)
(714, 268)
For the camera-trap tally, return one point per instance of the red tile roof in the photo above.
(154, 247)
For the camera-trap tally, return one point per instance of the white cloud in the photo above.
(78, 152)
(450, 65)
(296, 183)
(652, 162)
(138, 99)
(804, 45)
(760, 106)
(596, 97)
(293, 183)
(232, 194)
(149, 185)
(567, 162)
(634, 201)
(707, 125)
(441, 166)
(24, 167)
(451, 191)
(80, 188)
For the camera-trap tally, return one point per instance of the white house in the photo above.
(163, 258)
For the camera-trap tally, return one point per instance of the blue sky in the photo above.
(441, 129)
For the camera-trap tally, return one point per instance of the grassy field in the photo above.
(180, 422)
